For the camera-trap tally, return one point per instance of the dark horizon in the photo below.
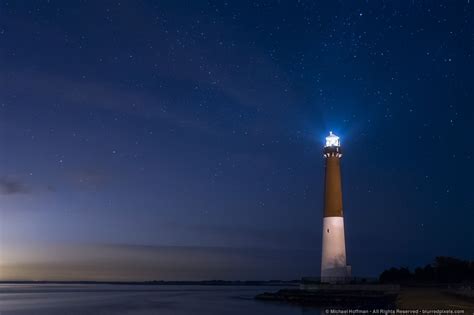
(177, 140)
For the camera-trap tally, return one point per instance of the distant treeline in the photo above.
(442, 270)
(161, 282)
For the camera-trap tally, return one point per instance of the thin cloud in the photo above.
(11, 186)
(129, 262)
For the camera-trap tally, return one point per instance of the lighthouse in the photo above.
(333, 258)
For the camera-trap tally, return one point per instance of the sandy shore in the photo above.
(432, 298)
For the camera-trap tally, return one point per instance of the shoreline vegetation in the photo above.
(444, 270)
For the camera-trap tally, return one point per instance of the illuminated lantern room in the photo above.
(332, 140)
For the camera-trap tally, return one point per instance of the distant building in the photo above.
(333, 260)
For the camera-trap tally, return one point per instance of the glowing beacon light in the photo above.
(332, 140)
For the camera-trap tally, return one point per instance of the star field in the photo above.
(180, 127)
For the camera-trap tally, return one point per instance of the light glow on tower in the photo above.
(332, 140)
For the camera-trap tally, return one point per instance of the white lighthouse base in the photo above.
(333, 262)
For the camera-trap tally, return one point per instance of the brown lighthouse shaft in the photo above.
(332, 188)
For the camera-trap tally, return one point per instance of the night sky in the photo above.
(177, 140)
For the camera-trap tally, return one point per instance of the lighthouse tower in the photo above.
(333, 260)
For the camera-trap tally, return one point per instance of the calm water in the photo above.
(139, 300)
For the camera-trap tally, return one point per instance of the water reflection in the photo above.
(138, 300)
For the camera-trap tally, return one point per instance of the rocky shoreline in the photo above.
(362, 297)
